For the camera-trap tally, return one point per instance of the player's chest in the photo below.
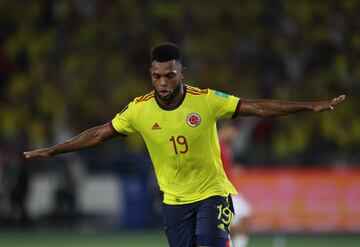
(191, 122)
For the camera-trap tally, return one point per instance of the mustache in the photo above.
(172, 96)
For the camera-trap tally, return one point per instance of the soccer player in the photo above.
(178, 125)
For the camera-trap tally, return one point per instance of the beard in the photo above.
(171, 96)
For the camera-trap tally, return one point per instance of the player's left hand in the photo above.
(39, 153)
(328, 105)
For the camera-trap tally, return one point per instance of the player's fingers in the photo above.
(30, 154)
(27, 154)
(335, 101)
(339, 99)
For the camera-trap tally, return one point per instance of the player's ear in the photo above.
(183, 69)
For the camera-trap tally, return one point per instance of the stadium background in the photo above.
(67, 65)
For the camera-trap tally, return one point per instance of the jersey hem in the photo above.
(195, 200)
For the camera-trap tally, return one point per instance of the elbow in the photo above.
(266, 114)
(262, 113)
(98, 138)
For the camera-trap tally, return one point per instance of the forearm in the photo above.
(88, 138)
(273, 108)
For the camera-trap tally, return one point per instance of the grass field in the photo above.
(152, 239)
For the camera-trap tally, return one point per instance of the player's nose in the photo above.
(163, 82)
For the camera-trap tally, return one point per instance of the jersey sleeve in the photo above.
(123, 121)
(222, 105)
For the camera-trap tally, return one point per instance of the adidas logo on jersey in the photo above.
(221, 226)
(156, 126)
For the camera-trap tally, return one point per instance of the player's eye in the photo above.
(156, 76)
(170, 75)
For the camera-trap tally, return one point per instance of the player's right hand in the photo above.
(40, 153)
(328, 105)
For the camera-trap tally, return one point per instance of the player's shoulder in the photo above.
(144, 98)
(196, 91)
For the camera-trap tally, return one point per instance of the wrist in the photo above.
(50, 151)
(310, 106)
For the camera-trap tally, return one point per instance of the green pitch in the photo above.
(157, 239)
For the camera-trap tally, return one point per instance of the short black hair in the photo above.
(165, 52)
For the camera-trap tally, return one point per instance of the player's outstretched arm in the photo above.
(88, 138)
(273, 108)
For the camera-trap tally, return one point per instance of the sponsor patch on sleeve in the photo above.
(220, 94)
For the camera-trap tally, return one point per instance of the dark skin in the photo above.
(166, 77)
(167, 80)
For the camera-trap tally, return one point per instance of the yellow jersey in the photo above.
(182, 142)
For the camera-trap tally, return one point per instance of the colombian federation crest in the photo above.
(193, 119)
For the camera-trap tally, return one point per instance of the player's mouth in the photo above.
(164, 92)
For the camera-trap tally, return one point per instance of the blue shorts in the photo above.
(203, 223)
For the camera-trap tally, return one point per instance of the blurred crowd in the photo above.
(67, 65)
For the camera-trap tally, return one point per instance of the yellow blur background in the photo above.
(68, 65)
